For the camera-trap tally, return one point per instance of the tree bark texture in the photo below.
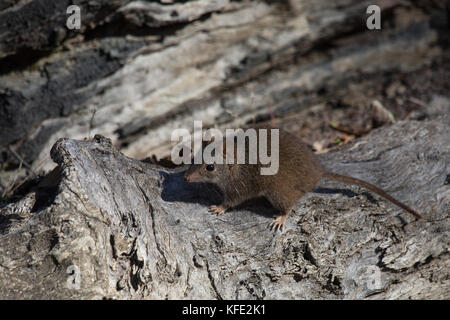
(136, 230)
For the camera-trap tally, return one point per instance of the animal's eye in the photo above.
(210, 167)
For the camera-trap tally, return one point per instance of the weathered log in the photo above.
(149, 67)
(132, 229)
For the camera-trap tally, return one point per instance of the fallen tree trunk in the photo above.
(137, 70)
(103, 225)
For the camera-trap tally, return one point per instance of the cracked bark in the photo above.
(226, 62)
(136, 230)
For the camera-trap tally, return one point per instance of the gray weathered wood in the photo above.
(147, 68)
(136, 230)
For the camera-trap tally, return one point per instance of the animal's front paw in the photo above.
(278, 223)
(218, 210)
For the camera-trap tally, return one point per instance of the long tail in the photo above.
(384, 194)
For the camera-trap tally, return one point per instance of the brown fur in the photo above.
(299, 172)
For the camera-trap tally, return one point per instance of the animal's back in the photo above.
(298, 166)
